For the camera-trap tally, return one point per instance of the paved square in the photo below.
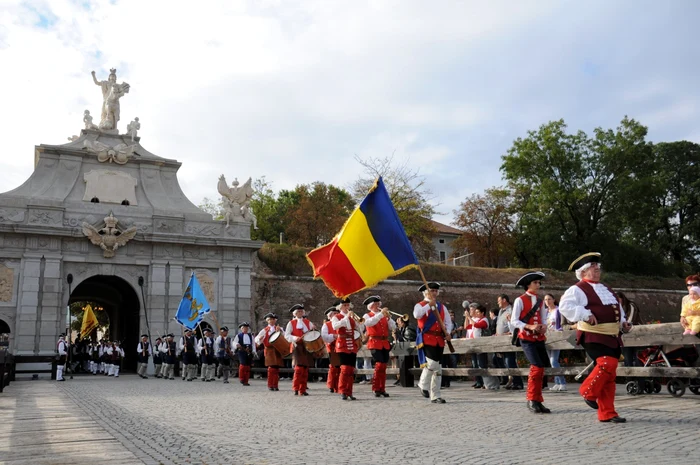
(176, 422)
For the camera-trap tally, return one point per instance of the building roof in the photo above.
(444, 229)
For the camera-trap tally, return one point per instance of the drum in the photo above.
(313, 341)
(278, 341)
(358, 338)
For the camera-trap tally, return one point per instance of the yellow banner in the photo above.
(89, 322)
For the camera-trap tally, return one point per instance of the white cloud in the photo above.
(292, 90)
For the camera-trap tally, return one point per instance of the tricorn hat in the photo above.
(245, 323)
(590, 257)
(529, 277)
(188, 330)
(331, 309)
(270, 315)
(372, 299)
(296, 307)
(144, 335)
(170, 335)
(431, 285)
(223, 328)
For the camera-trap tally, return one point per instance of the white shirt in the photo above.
(327, 337)
(62, 348)
(266, 330)
(247, 339)
(139, 349)
(297, 323)
(518, 308)
(420, 310)
(573, 303)
(475, 332)
(344, 322)
(373, 320)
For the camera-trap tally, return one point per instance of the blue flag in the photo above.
(193, 305)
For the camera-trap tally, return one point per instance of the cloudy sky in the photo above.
(294, 90)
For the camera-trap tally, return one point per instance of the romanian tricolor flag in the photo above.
(371, 246)
(89, 322)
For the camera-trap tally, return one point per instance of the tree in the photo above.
(267, 209)
(410, 196)
(315, 213)
(487, 221)
(571, 191)
(215, 209)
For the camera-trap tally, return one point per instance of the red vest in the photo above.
(603, 314)
(330, 347)
(345, 343)
(296, 332)
(378, 334)
(432, 336)
(535, 319)
(268, 333)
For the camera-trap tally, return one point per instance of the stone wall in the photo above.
(279, 293)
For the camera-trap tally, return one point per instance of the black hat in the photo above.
(170, 335)
(372, 299)
(223, 328)
(296, 307)
(337, 302)
(245, 323)
(344, 301)
(529, 277)
(159, 339)
(188, 330)
(62, 335)
(207, 330)
(331, 309)
(590, 257)
(270, 315)
(431, 285)
(144, 335)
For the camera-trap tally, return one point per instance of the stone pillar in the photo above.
(155, 297)
(52, 312)
(28, 293)
(176, 288)
(226, 311)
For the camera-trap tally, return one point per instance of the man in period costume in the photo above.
(600, 322)
(224, 352)
(346, 323)
(301, 358)
(245, 348)
(206, 355)
(62, 357)
(431, 340)
(188, 349)
(143, 350)
(379, 325)
(329, 336)
(529, 319)
(158, 358)
(273, 358)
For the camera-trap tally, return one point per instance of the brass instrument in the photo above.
(356, 317)
(404, 317)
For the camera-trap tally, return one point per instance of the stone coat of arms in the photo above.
(109, 238)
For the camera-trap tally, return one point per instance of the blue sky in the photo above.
(294, 90)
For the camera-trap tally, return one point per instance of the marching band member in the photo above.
(273, 359)
(94, 358)
(329, 335)
(530, 318)
(378, 324)
(158, 358)
(301, 358)
(116, 354)
(600, 320)
(169, 351)
(188, 349)
(62, 349)
(206, 355)
(433, 340)
(144, 351)
(223, 352)
(245, 346)
(345, 323)
(104, 362)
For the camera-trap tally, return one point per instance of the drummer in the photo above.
(273, 358)
(379, 325)
(329, 336)
(346, 323)
(301, 358)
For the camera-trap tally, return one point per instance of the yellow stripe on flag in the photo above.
(362, 251)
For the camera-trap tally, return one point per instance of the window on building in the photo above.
(443, 257)
(442, 241)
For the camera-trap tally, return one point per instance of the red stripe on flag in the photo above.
(332, 265)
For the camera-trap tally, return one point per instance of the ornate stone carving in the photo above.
(73, 138)
(7, 281)
(109, 237)
(203, 229)
(11, 216)
(237, 201)
(132, 128)
(119, 154)
(87, 119)
(13, 242)
(44, 218)
(111, 93)
(206, 282)
(110, 186)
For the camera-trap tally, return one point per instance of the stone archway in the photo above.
(122, 304)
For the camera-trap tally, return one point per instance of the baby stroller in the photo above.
(656, 356)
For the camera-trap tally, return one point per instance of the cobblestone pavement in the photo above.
(176, 422)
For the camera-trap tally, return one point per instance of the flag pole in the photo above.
(437, 314)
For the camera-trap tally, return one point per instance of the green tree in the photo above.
(315, 213)
(215, 209)
(268, 211)
(411, 198)
(571, 191)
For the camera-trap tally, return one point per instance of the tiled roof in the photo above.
(444, 229)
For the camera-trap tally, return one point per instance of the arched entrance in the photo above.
(4, 335)
(122, 305)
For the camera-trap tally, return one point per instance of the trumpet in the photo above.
(404, 317)
(356, 317)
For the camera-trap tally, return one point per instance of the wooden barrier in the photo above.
(667, 334)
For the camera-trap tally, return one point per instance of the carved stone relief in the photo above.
(203, 229)
(11, 216)
(13, 242)
(7, 282)
(207, 284)
(45, 218)
(110, 186)
(165, 225)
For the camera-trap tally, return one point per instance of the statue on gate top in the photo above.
(237, 201)
(111, 93)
